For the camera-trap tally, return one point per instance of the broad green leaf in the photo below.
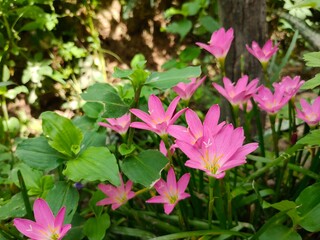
(62, 134)
(106, 94)
(96, 197)
(13, 208)
(289, 207)
(312, 59)
(189, 54)
(190, 8)
(95, 163)
(133, 232)
(309, 208)
(93, 139)
(209, 23)
(95, 228)
(280, 232)
(122, 73)
(46, 183)
(63, 195)
(168, 79)
(313, 138)
(181, 27)
(145, 168)
(93, 109)
(30, 176)
(37, 153)
(311, 83)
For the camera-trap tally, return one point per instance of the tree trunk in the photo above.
(248, 19)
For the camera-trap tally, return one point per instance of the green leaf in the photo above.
(190, 8)
(172, 77)
(93, 109)
(96, 197)
(309, 208)
(181, 27)
(312, 59)
(280, 232)
(313, 138)
(95, 228)
(13, 208)
(311, 83)
(289, 207)
(37, 153)
(124, 149)
(30, 176)
(122, 73)
(209, 23)
(63, 195)
(106, 94)
(144, 168)
(95, 163)
(93, 139)
(62, 134)
(189, 54)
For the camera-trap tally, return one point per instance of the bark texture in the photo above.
(248, 19)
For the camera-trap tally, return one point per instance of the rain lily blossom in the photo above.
(194, 132)
(46, 225)
(171, 192)
(219, 44)
(263, 54)
(117, 196)
(290, 86)
(119, 125)
(186, 90)
(310, 113)
(159, 119)
(269, 102)
(238, 93)
(218, 153)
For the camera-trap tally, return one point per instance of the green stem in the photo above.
(259, 126)
(211, 201)
(8, 234)
(229, 200)
(25, 196)
(135, 104)
(235, 115)
(266, 75)
(274, 134)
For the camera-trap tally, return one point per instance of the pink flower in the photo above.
(46, 225)
(239, 93)
(171, 192)
(269, 102)
(117, 196)
(264, 54)
(119, 125)
(310, 113)
(290, 86)
(186, 90)
(219, 44)
(159, 119)
(218, 153)
(194, 132)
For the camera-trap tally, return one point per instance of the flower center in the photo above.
(213, 164)
(54, 236)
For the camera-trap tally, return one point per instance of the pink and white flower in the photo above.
(46, 225)
(171, 192)
(290, 86)
(119, 125)
(116, 196)
(263, 54)
(194, 132)
(186, 90)
(238, 93)
(219, 44)
(218, 153)
(159, 120)
(271, 102)
(310, 113)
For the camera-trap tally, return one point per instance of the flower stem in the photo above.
(25, 196)
(274, 134)
(211, 201)
(260, 129)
